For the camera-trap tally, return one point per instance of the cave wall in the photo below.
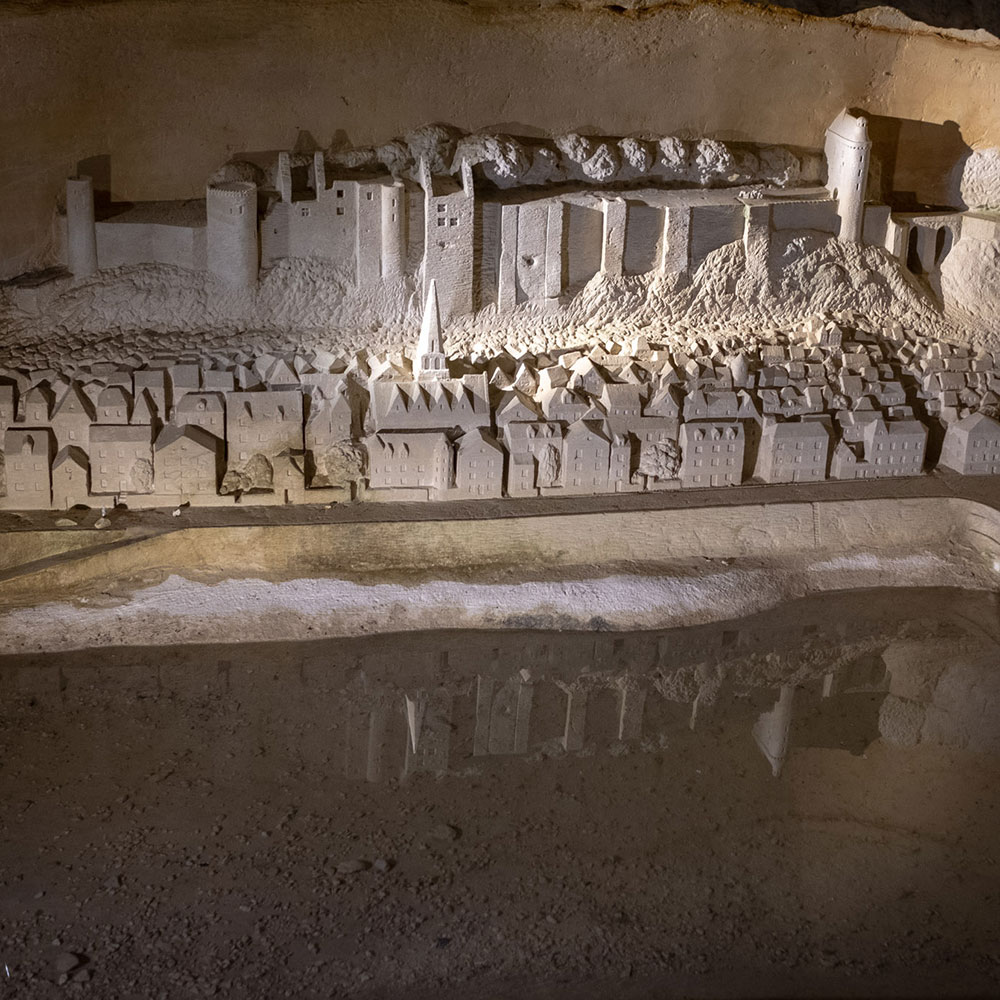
(166, 91)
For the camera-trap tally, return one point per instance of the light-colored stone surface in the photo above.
(623, 571)
(243, 65)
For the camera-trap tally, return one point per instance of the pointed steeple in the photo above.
(430, 360)
(416, 707)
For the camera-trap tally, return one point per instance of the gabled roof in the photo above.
(978, 421)
(584, 426)
(115, 395)
(38, 394)
(621, 394)
(518, 407)
(132, 433)
(195, 401)
(71, 453)
(281, 373)
(74, 403)
(145, 408)
(477, 436)
(198, 436)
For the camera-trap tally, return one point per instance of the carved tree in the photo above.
(341, 465)
(141, 476)
(234, 481)
(549, 466)
(259, 473)
(661, 461)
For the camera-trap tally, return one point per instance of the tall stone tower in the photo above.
(449, 247)
(393, 230)
(430, 361)
(81, 233)
(848, 153)
(231, 211)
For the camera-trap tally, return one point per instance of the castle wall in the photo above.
(554, 249)
(614, 237)
(643, 237)
(584, 236)
(820, 216)
(713, 226)
(325, 227)
(415, 229)
(507, 264)
(875, 228)
(677, 242)
(123, 244)
(489, 241)
(757, 240)
(532, 224)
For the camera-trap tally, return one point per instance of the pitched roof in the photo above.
(190, 432)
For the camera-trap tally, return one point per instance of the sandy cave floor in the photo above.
(190, 830)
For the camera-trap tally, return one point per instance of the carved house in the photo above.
(28, 455)
(188, 461)
(711, 454)
(121, 459)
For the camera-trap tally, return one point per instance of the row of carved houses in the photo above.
(175, 434)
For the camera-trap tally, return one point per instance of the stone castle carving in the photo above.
(840, 401)
(483, 248)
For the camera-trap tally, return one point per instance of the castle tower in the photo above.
(231, 211)
(848, 152)
(368, 234)
(284, 178)
(393, 230)
(449, 247)
(430, 361)
(319, 173)
(81, 234)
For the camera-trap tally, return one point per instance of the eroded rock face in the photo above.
(981, 180)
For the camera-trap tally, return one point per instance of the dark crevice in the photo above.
(960, 15)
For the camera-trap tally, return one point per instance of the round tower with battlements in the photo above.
(848, 152)
(232, 247)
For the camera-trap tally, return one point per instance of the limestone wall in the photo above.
(372, 70)
(120, 245)
(549, 544)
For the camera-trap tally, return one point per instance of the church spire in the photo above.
(430, 359)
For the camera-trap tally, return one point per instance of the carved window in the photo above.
(340, 192)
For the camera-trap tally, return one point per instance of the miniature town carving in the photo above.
(841, 403)
(834, 398)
